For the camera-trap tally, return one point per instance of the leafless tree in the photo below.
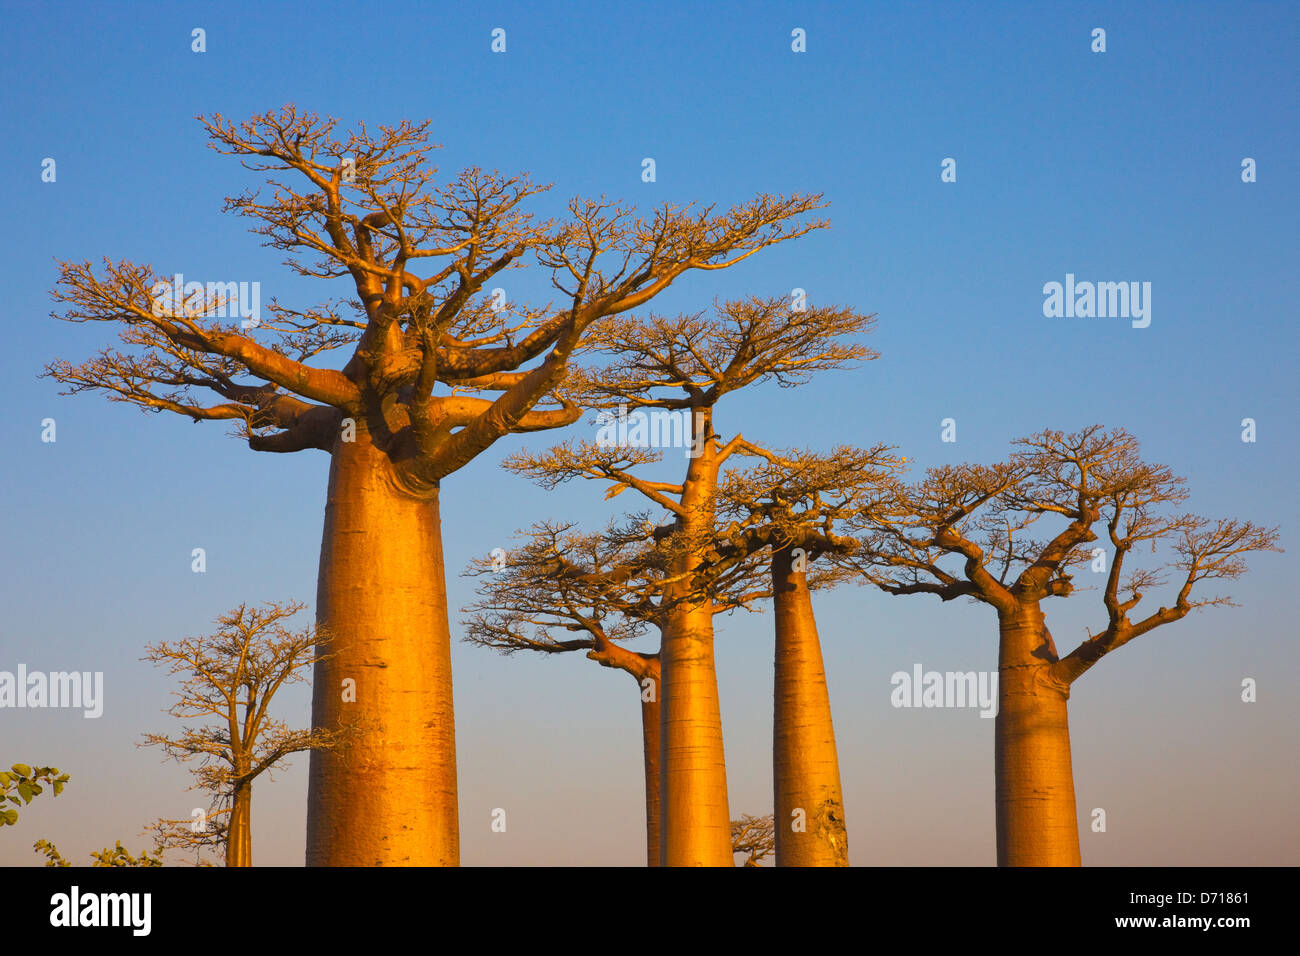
(228, 681)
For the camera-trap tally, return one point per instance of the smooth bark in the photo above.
(1037, 823)
(389, 796)
(805, 765)
(239, 835)
(696, 818)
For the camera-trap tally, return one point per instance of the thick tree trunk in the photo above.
(810, 826)
(239, 832)
(1037, 824)
(650, 748)
(693, 794)
(389, 796)
(696, 822)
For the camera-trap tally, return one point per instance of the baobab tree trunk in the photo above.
(696, 821)
(239, 832)
(809, 826)
(1037, 824)
(650, 747)
(388, 797)
(693, 793)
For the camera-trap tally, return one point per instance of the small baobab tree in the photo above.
(228, 681)
(965, 531)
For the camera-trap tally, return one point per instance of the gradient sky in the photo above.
(1116, 166)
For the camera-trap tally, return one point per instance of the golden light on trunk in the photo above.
(1037, 824)
(935, 539)
(693, 775)
(390, 797)
(438, 372)
(696, 822)
(239, 838)
(805, 764)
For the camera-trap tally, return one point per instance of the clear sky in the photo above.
(1117, 166)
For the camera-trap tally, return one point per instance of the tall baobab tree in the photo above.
(963, 531)
(229, 680)
(424, 343)
(686, 365)
(791, 505)
(565, 591)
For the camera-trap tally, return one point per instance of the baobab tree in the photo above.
(229, 680)
(792, 506)
(564, 591)
(963, 531)
(425, 340)
(685, 365)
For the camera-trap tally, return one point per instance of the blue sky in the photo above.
(1115, 166)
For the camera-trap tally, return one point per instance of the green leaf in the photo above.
(58, 787)
(9, 816)
(22, 770)
(25, 791)
(12, 799)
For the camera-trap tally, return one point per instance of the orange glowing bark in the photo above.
(805, 764)
(389, 798)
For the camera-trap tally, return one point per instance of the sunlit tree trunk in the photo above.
(389, 798)
(1037, 824)
(696, 823)
(696, 818)
(239, 832)
(805, 766)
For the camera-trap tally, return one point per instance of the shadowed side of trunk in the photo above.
(650, 747)
(389, 796)
(1037, 824)
(805, 765)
